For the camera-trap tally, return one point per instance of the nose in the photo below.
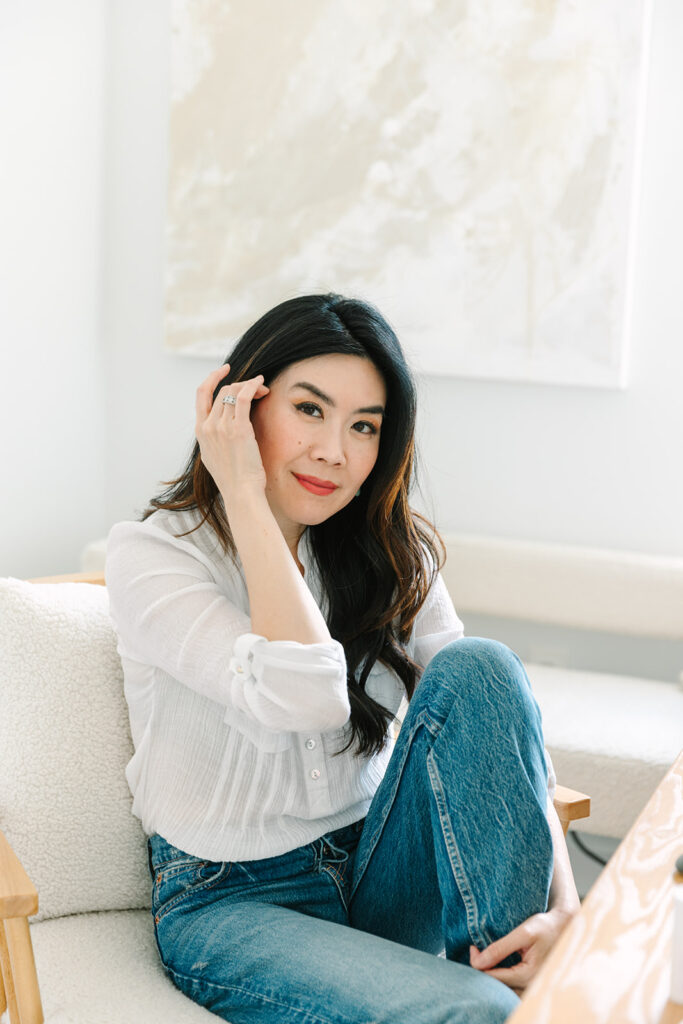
(328, 445)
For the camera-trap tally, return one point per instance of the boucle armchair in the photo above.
(65, 811)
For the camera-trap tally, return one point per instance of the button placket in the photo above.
(316, 775)
(311, 744)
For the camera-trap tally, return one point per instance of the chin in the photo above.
(311, 517)
(312, 513)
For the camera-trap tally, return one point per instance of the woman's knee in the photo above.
(480, 678)
(473, 650)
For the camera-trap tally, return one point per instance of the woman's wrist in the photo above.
(565, 907)
(244, 502)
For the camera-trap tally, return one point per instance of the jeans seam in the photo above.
(420, 720)
(479, 936)
(172, 869)
(252, 994)
(339, 883)
(191, 890)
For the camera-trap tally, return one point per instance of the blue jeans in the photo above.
(455, 849)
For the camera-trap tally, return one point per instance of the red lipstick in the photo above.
(315, 485)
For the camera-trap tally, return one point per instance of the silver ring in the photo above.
(229, 400)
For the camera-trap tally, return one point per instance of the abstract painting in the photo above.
(469, 167)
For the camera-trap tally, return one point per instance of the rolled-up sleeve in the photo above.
(287, 685)
(170, 610)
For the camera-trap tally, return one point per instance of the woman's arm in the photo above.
(535, 937)
(563, 894)
(280, 602)
(179, 609)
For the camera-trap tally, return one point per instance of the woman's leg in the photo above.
(456, 848)
(266, 942)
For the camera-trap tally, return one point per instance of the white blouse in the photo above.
(234, 735)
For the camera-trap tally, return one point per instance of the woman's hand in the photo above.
(226, 437)
(533, 940)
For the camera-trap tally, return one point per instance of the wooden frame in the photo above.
(19, 989)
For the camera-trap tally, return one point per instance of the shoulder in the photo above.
(182, 527)
(163, 539)
(437, 614)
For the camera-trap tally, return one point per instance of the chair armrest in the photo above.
(73, 577)
(571, 806)
(18, 895)
(19, 989)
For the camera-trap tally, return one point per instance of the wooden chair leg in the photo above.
(20, 980)
(8, 997)
(3, 998)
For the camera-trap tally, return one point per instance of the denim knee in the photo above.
(481, 674)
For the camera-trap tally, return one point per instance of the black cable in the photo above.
(584, 848)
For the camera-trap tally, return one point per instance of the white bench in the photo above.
(612, 736)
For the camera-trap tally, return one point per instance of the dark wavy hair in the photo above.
(376, 557)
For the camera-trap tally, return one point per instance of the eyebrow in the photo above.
(377, 409)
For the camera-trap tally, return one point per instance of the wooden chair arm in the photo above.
(72, 577)
(18, 895)
(19, 990)
(571, 806)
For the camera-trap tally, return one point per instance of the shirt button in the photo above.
(315, 774)
(310, 744)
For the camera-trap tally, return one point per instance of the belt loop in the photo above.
(342, 855)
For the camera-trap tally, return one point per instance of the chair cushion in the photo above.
(64, 801)
(613, 737)
(105, 969)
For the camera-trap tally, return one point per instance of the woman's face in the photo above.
(318, 433)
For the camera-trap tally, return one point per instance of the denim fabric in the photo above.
(455, 849)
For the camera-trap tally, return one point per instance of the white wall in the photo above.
(571, 465)
(51, 389)
(564, 464)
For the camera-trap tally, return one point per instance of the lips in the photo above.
(315, 485)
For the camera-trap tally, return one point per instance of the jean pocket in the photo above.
(177, 880)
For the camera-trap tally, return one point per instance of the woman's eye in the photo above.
(363, 427)
(309, 408)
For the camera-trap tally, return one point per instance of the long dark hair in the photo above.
(376, 557)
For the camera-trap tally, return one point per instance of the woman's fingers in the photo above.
(497, 951)
(517, 977)
(205, 404)
(533, 940)
(204, 399)
(244, 393)
(227, 442)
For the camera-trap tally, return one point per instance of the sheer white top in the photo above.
(234, 734)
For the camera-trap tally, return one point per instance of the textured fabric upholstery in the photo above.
(65, 741)
(611, 736)
(104, 969)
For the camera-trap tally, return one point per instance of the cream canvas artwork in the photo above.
(468, 167)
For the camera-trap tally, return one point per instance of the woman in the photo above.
(273, 608)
